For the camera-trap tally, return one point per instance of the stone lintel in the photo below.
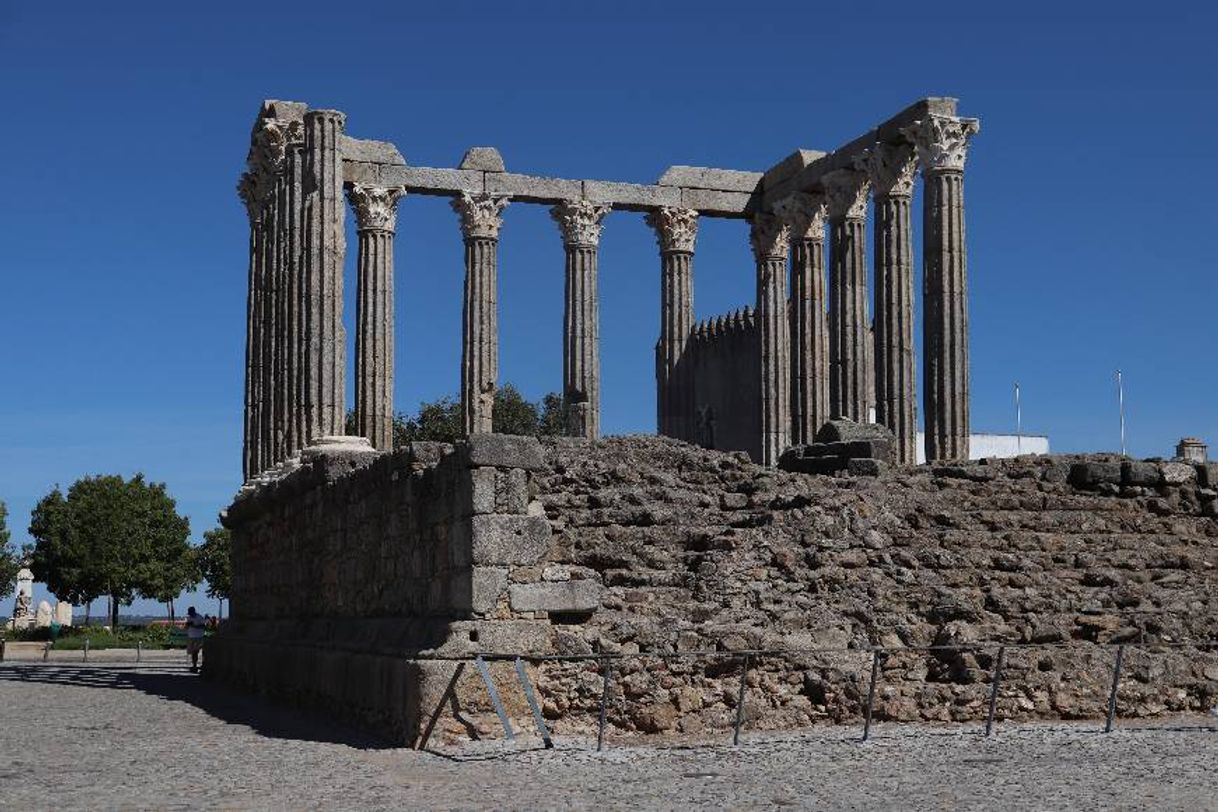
(712, 203)
(530, 189)
(427, 181)
(808, 178)
(790, 166)
(630, 196)
(703, 177)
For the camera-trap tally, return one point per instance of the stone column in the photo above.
(297, 434)
(771, 242)
(481, 217)
(579, 222)
(376, 218)
(676, 232)
(324, 339)
(942, 144)
(891, 168)
(846, 201)
(804, 215)
(251, 452)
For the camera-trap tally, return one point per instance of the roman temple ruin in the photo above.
(758, 380)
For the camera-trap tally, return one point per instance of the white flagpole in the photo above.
(1121, 404)
(1018, 423)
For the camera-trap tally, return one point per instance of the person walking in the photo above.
(196, 628)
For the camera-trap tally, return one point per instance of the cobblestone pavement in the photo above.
(77, 736)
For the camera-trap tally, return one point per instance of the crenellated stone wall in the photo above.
(725, 376)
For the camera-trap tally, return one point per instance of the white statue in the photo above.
(23, 609)
(63, 613)
(43, 619)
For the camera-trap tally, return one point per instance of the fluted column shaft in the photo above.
(942, 145)
(480, 222)
(376, 215)
(771, 243)
(804, 214)
(849, 333)
(252, 446)
(894, 344)
(676, 233)
(294, 292)
(271, 371)
(579, 223)
(945, 315)
(324, 338)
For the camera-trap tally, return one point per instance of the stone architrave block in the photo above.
(424, 180)
(500, 539)
(361, 172)
(531, 187)
(631, 194)
(556, 596)
(704, 177)
(488, 584)
(504, 451)
(497, 636)
(714, 203)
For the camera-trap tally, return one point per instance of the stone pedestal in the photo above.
(849, 336)
(942, 144)
(481, 218)
(676, 232)
(770, 238)
(579, 222)
(376, 216)
(891, 169)
(324, 339)
(805, 217)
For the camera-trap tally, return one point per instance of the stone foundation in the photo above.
(352, 576)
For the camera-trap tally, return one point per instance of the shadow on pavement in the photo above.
(178, 684)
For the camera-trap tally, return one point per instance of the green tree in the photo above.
(114, 537)
(441, 420)
(214, 558)
(10, 560)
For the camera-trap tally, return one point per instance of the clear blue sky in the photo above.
(1090, 193)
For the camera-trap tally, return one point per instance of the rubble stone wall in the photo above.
(642, 548)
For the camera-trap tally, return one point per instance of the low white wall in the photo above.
(996, 445)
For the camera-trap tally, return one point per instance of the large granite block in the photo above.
(501, 539)
(560, 596)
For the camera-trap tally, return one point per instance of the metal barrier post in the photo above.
(875, 672)
(490, 689)
(994, 681)
(139, 650)
(1112, 697)
(86, 649)
(46, 651)
(744, 675)
(528, 694)
(2, 641)
(606, 666)
(431, 723)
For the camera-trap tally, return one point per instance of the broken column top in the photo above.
(485, 159)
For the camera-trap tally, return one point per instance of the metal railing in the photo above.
(748, 657)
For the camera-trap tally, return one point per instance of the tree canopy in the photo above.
(112, 537)
(214, 562)
(10, 559)
(440, 420)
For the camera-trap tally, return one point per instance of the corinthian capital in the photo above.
(376, 207)
(676, 229)
(579, 221)
(846, 194)
(770, 236)
(481, 214)
(891, 169)
(804, 214)
(942, 141)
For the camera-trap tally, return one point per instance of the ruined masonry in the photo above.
(760, 380)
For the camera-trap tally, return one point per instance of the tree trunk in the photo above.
(88, 612)
(114, 606)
